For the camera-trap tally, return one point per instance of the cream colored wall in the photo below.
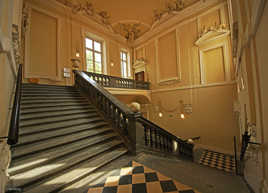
(250, 61)
(48, 56)
(261, 48)
(174, 66)
(213, 118)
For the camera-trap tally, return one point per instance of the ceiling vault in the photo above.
(131, 25)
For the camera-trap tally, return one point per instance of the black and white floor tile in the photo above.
(137, 178)
(218, 160)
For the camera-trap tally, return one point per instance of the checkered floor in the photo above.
(137, 178)
(218, 160)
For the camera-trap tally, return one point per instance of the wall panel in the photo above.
(43, 45)
(167, 57)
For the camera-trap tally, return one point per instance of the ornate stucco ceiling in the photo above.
(129, 18)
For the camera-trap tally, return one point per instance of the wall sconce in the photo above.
(182, 116)
(185, 109)
(77, 52)
(112, 63)
(160, 114)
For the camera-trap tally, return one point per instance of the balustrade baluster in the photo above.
(145, 134)
(151, 137)
(155, 138)
(170, 145)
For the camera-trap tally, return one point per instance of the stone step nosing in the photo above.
(54, 156)
(63, 127)
(52, 101)
(82, 175)
(56, 135)
(58, 121)
(48, 106)
(57, 115)
(58, 110)
(70, 141)
(52, 98)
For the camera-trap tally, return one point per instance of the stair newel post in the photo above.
(131, 129)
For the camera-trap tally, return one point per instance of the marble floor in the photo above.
(197, 177)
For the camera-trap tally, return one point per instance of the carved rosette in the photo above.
(5, 159)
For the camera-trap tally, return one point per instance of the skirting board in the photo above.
(265, 187)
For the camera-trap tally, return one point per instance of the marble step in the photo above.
(48, 94)
(43, 115)
(35, 90)
(43, 121)
(25, 85)
(55, 109)
(27, 149)
(60, 125)
(76, 173)
(98, 177)
(56, 166)
(51, 98)
(40, 158)
(66, 104)
(33, 102)
(36, 137)
(49, 89)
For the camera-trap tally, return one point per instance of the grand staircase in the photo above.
(62, 139)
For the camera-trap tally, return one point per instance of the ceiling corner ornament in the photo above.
(85, 7)
(172, 7)
(212, 32)
(129, 30)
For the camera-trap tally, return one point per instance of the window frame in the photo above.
(93, 54)
(126, 62)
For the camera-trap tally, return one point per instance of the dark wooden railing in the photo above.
(158, 138)
(118, 113)
(117, 82)
(13, 133)
(123, 118)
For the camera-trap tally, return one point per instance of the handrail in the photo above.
(107, 94)
(143, 120)
(160, 139)
(13, 134)
(122, 117)
(118, 82)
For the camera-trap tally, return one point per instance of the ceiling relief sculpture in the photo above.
(130, 30)
(131, 19)
(87, 8)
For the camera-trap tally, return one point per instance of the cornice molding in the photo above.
(194, 86)
(178, 18)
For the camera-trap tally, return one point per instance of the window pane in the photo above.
(97, 57)
(97, 46)
(124, 56)
(98, 67)
(124, 69)
(89, 60)
(89, 43)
